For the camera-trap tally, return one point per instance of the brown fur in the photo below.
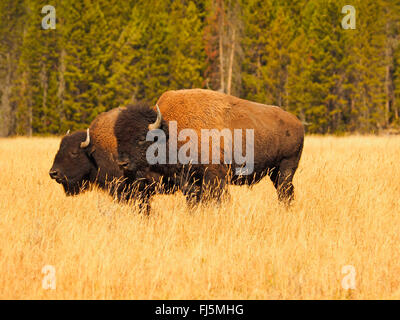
(277, 133)
(103, 144)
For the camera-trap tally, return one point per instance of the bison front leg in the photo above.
(143, 191)
(214, 186)
(210, 187)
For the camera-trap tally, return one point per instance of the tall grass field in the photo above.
(339, 240)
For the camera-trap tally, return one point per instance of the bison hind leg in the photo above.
(282, 178)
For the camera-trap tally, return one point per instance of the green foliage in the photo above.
(107, 53)
(156, 53)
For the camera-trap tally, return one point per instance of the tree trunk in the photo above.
(61, 87)
(221, 45)
(45, 85)
(387, 92)
(229, 85)
(5, 107)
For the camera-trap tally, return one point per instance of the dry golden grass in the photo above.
(346, 213)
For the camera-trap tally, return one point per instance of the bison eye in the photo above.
(142, 140)
(74, 154)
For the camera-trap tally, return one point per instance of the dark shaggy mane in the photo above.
(134, 116)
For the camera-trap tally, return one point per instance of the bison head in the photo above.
(130, 129)
(73, 165)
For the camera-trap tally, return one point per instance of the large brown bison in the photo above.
(277, 143)
(89, 157)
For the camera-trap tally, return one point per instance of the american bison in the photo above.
(89, 157)
(276, 145)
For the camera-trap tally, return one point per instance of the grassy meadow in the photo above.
(346, 212)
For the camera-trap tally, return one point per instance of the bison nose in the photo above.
(53, 174)
(124, 164)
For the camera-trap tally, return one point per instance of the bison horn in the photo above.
(157, 124)
(67, 132)
(87, 141)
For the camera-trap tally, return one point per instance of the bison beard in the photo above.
(278, 144)
(72, 188)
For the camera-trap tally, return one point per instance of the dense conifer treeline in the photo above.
(291, 53)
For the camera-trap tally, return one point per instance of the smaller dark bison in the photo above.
(90, 157)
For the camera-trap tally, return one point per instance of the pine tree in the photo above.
(299, 76)
(155, 53)
(391, 19)
(326, 68)
(12, 18)
(257, 20)
(366, 74)
(34, 94)
(277, 58)
(185, 46)
(85, 74)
